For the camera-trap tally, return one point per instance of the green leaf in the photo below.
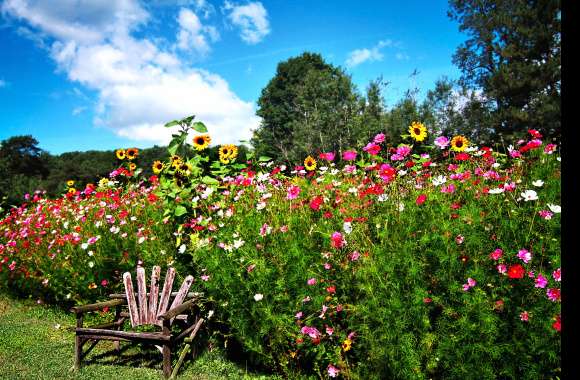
(209, 180)
(264, 159)
(171, 124)
(180, 210)
(199, 127)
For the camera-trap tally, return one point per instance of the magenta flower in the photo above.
(293, 192)
(541, 281)
(372, 149)
(470, 284)
(553, 294)
(349, 155)
(380, 138)
(525, 255)
(332, 371)
(298, 315)
(327, 156)
(442, 142)
(403, 150)
(448, 189)
(354, 256)
(502, 268)
(524, 316)
(337, 240)
(311, 332)
(557, 275)
(545, 214)
(311, 281)
(496, 255)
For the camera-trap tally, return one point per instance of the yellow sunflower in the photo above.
(121, 154)
(132, 166)
(70, 183)
(310, 163)
(132, 153)
(459, 143)
(72, 190)
(175, 161)
(418, 131)
(184, 168)
(228, 153)
(158, 167)
(201, 142)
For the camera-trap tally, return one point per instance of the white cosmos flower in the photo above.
(496, 191)
(529, 195)
(555, 208)
(347, 227)
(538, 183)
(439, 180)
(258, 296)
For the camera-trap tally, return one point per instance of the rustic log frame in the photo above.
(165, 339)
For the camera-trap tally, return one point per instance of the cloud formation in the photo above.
(192, 35)
(140, 85)
(358, 56)
(251, 19)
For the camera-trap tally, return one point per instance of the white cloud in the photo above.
(358, 56)
(252, 19)
(192, 35)
(139, 85)
(78, 110)
(402, 56)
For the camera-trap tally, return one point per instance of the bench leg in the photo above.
(78, 351)
(166, 361)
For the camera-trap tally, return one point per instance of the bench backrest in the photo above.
(149, 305)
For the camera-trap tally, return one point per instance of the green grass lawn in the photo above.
(37, 342)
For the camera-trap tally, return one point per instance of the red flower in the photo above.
(558, 324)
(462, 156)
(421, 199)
(316, 203)
(331, 289)
(516, 271)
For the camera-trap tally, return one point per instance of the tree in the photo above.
(308, 105)
(513, 54)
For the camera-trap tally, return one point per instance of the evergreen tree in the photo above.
(513, 55)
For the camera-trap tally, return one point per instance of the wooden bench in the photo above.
(148, 308)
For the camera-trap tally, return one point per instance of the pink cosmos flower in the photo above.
(541, 281)
(265, 229)
(459, 239)
(337, 240)
(380, 138)
(525, 255)
(12, 265)
(442, 142)
(550, 148)
(205, 277)
(311, 332)
(349, 168)
(354, 256)
(553, 294)
(403, 150)
(545, 214)
(470, 284)
(298, 315)
(250, 268)
(332, 371)
(502, 268)
(496, 255)
(524, 316)
(557, 275)
(311, 281)
(327, 266)
(349, 155)
(327, 156)
(293, 192)
(372, 149)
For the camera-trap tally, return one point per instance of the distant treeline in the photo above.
(26, 168)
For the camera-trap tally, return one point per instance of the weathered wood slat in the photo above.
(97, 306)
(173, 294)
(133, 313)
(153, 294)
(114, 334)
(142, 296)
(178, 300)
(165, 294)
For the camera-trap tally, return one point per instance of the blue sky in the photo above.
(97, 74)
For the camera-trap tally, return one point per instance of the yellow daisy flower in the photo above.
(418, 131)
(346, 345)
(132, 153)
(132, 166)
(70, 183)
(120, 154)
(72, 190)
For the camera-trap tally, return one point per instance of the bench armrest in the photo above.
(98, 306)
